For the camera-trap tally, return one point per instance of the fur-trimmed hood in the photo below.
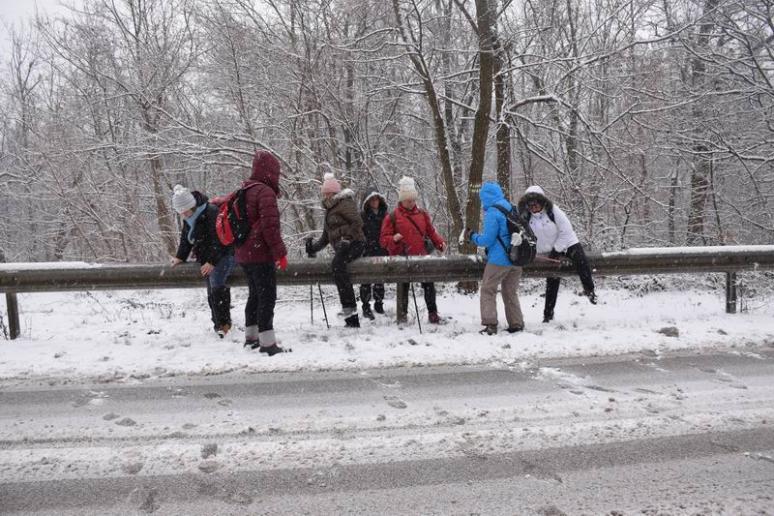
(370, 193)
(346, 193)
(534, 193)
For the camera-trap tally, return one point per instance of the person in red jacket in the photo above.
(407, 231)
(262, 252)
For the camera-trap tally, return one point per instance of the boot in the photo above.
(367, 313)
(548, 316)
(273, 350)
(223, 330)
(251, 343)
(489, 329)
(591, 295)
(434, 318)
(515, 329)
(353, 321)
(378, 307)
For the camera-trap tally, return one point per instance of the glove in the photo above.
(465, 236)
(341, 246)
(309, 249)
(566, 262)
(282, 263)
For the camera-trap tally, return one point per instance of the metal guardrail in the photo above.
(54, 277)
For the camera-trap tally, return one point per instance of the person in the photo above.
(556, 237)
(374, 210)
(404, 233)
(343, 229)
(216, 260)
(262, 252)
(498, 270)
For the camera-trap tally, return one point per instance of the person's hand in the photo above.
(175, 261)
(206, 269)
(397, 237)
(282, 263)
(442, 247)
(565, 262)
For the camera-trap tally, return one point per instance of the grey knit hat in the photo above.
(182, 199)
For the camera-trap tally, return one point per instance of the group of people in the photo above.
(367, 229)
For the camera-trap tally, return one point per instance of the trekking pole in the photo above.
(311, 303)
(413, 292)
(322, 302)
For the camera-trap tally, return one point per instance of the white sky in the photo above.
(16, 12)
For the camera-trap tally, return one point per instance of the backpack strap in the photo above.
(423, 235)
(506, 213)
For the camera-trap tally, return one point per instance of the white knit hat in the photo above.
(182, 199)
(407, 189)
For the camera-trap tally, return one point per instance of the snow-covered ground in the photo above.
(125, 335)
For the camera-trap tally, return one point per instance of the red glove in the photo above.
(282, 263)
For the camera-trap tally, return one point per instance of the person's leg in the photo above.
(251, 307)
(432, 308)
(266, 284)
(343, 256)
(510, 293)
(493, 274)
(578, 257)
(365, 300)
(552, 290)
(220, 293)
(379, 297)
(401, 302)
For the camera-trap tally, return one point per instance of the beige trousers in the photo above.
(508, 277)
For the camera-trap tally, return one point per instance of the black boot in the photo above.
(353, 321)
(548, 316)
(273, 350)
(367, 313)
(378, 307)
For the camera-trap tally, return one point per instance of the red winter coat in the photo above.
(264, 243)
(412, 243)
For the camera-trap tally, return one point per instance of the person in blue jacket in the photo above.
(499, 270)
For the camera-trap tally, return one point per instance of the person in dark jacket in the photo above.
(557, 239)
(374, 210)
(262, 252)
(217, 261)
(343, 229)
(404, 233)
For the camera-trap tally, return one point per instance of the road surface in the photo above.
(636, 434)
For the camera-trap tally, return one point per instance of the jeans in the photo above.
(218, 292)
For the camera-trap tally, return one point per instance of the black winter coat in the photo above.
(372, 223)
(206, 245)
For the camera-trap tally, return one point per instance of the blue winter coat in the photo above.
(494, 225)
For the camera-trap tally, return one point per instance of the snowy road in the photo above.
(640, 433)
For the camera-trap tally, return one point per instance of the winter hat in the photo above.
(535, 189)
(330, 184)
(182, 199)
(407, 189)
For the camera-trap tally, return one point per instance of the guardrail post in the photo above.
(12, 305)
(730, 292)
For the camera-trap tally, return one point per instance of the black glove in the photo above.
(341, 246)
(310, 252)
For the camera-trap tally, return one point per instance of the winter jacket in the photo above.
(342, 221)
(412, 243)
(556, 234)
(495, 232)
(372, 223)
(264, 243)
(206, 246)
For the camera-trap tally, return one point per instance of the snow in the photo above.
(45, 266)
(130, 335)
(680, 251)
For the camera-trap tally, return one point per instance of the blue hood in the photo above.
(492, 194)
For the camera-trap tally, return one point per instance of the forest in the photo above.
(649, 122)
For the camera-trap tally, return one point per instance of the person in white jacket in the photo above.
(557, 239)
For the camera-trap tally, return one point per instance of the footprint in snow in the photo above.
(395, 402)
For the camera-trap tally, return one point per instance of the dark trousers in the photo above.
(403, 293)
(262, 296)
(578, 258)
(345, 252)
(367, 289)
(218, 292)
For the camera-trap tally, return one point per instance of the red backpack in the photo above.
(231, 224)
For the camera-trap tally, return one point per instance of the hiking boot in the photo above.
(367, 313)
(273, 350)
(379, 307)
(251, 343)
(548, 317)
(489, 329)
(353, 321)
(434, 318)
(516, 329)
(591, 295)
